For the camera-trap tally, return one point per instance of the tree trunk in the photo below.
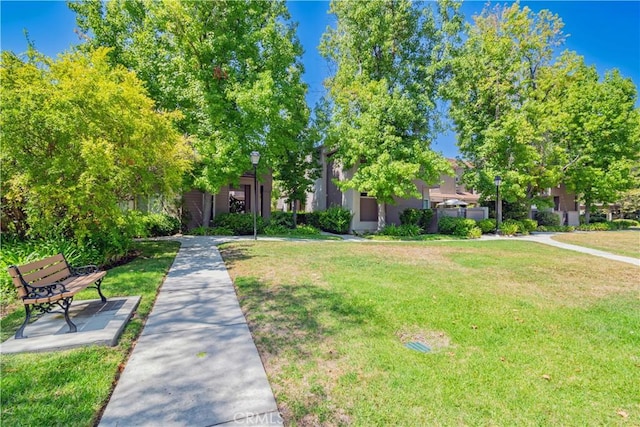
(206, 209)
(382, 215)
(587, 211)
(295, 214)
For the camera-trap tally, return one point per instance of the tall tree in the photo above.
(501, 105)
(232, 67)
(80, 137)
(390, 58)
(599, 131)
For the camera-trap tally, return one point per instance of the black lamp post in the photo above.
(498, 181)
(255, 158)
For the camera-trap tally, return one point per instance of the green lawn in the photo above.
(69, 388)
(521, 333)
(626, 243)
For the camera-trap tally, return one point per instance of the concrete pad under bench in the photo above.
(98, 324)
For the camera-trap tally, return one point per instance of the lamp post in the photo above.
(255, 158)
(498, 181)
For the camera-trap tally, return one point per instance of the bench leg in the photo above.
(65, 304)
(102, 297)
(27, 309)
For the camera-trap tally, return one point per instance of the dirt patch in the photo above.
(435, 340)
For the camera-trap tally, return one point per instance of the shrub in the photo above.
(310, 218)
(284, 219)
(547, 218)
(404, 230)
(419, 217)
(461, 227)
(626, 223)
(510, 227)
(276, 230)
(487, 225)
(306, 230)
(529, 224)
(556, 228)
(161, 224)
(335, 220)
(238, 223)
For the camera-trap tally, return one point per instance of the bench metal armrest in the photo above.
(84, 270)
(44, 291)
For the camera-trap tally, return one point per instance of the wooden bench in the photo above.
(49, 282)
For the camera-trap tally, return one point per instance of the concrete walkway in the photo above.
(195, 363)
(546, 239)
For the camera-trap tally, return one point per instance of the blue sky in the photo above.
(606, 33)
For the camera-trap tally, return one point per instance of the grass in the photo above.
(420, 238)
(521, 333)
(70, 387)
(626, 243)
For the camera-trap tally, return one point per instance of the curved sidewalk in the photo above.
(195, 363)
(546, 239)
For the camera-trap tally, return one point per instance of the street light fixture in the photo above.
(255, 158)
(498, 181)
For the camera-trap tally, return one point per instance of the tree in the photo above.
(232, 67)
(599, 134)
(502, 102)
(390, 58)
(79, 138)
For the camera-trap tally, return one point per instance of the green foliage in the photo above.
(389, 59)
(501, 101)
(239, 224)
(487, 225)
(310, 218)
(79, 138)
(547, 218)
(529, 224)
(627, 223)
(511, 227)
(461, 227)
(594, 217)
(284, 219)
(630, 203)
(235, 71)
(556, 228)
(419, 217)
(335, 220)
(404, 230)
(152, 224)
(508, 228)
(619, 224)
(300, 231)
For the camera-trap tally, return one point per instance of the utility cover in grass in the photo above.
(418, 346)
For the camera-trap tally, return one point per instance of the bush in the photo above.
(306, 230)
(529, 224)
(461, 227)
(276, 230)
(238, 223)
(284, 219)
(335, 220)
(556, 228)
(626, 223)
(419, 217)
(510, 227)
(404, 230)
(547, 218)
(487, 226)
(161, 224)
(310, 218)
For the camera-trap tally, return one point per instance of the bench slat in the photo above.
(48, 274)
(37, 265)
